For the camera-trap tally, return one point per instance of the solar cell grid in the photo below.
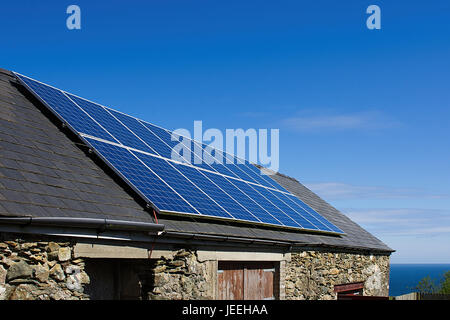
(271, 182)
(251, 175)
(165, 136)
(235, 208)
(196, 197)
(148, 183)
(272, 209)
(159, 147)
(219, 167)
(313, 213)
(245, 200)
(294, 213)
(67, 110)
(114, 127)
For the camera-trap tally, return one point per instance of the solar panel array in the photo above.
(141, 153)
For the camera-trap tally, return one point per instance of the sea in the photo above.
(405, 277)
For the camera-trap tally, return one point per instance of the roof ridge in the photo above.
(275, 173)
(5, 71)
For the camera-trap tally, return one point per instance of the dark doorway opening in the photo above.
(119, 279)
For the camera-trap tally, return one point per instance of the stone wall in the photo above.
(313, 275)
(36, 269)
(40, 270)
(182, 276)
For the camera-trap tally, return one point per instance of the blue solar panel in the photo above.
(274, 211)
(196, 197)
(66, 109)
(313, 213)
(237, 210)
(252, 176)
(159, 147)
(141, 154)
(239, 170)
(295, 215)
(197, 158)
(114, 127)
(167, 138)
(271, 182)
(218, 167)
(250, 204)
(151, 186)
(244, 171)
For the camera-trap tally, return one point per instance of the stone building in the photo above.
(72, 229)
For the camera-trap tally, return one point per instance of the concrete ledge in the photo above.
(205, 255)
(88, 250)
(85, 250)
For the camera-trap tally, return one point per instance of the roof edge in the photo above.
(289, 244)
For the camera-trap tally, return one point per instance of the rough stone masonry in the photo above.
(313, 275)
(182, 276)
(309, 275)
(40, 270)
(43, 269)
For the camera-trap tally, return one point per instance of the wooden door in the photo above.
(246, 280)
(231, 281)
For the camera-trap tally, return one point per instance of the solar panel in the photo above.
(238, 210)
(141, 154)
(115, 128)
(149, 184)
(202, 202)
(253, 206)
(66, 110)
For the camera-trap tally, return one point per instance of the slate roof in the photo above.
(43, 173)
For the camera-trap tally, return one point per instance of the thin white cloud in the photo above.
(350, 121)
(338, 190)
(432, 231)
(402, 222)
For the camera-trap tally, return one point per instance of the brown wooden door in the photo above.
(231, 281)
(246, 280)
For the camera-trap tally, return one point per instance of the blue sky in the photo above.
(363, 114)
